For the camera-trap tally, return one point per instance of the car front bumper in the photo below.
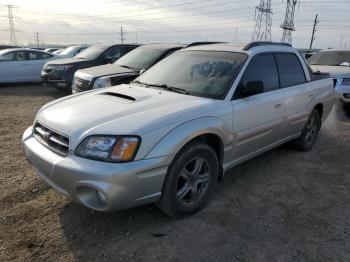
(57, 79)
(123, 185)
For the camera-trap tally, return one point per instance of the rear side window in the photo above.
(262, 68)
(38, 55)
(290, 70)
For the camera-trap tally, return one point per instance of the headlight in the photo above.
(102, 82)
(109, 148)
(345, 82)
(63, 67)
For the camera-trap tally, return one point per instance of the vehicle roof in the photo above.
(231, 47)
(336, 50)
(162, 46)
(4, 51)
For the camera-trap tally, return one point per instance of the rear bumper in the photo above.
(124, 185)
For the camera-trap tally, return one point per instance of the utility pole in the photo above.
(288, 24)
(10, 16)
(316, 21)
(341, 41)
(136, 37)
(122, 35)
(263, 22)
(37, 38)
(235, 35)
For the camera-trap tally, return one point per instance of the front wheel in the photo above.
(190, 180)
(310, 132)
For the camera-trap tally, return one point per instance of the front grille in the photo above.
(81, 84)
(51, 139)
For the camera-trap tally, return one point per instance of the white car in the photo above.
(336, 62)
(22, 64)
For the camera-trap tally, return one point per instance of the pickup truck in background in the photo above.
(336, 62)
(168, 136)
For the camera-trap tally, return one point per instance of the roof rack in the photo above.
(255, 44)
(202, 43)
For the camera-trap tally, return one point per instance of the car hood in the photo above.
(334, 71)
(119, 110)
(104, 70)
(67, 61)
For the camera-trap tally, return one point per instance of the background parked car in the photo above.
(22, 64)
(336, 62)
(7, 46)
(58, 51)
(51, 50)
(60, 72)
(123, 70)
(72, 51)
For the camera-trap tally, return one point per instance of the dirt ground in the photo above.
(282, 206)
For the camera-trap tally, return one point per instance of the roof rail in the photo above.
(202, 43)
(255, 44)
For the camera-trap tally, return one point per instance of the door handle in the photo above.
(278, 105)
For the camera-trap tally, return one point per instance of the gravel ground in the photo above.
(282, 206)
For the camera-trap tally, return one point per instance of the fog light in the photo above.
(101, 197)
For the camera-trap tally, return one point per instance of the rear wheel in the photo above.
(310, 132)
(190, 180)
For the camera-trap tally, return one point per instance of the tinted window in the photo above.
(332, 58)
(290, 69)
(262, 68)
(92, 52)
(14, 56)
(201, 73)
(38, 56)
(141, 58)
(113, 53)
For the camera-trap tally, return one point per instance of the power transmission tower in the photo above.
(263, 22)
(10, 16)
(316, 21)
(288, 24)
(37, 38)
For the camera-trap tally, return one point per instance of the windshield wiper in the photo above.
(128, 67)
(139, 82)
(171, 88)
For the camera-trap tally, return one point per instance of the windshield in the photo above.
(91, 52)
(140, 58)
(201, 73)
(331, 58)
(68, 50)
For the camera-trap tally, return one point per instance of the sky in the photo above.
(170, 21)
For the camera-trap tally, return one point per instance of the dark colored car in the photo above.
(59, 73)
(124, 70)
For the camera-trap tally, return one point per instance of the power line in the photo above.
(263, 21)
(288, 24)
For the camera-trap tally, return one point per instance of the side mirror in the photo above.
(252, 88)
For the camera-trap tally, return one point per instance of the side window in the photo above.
(113, 53)
(290, 70)
(261, 68)
(8, 57)
(38, 55)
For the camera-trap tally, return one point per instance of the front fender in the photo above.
(179, 136)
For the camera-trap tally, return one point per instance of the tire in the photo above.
(310, 132)
(190, 180)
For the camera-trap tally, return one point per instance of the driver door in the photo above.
(258, 119)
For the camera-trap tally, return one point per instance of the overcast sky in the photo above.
(147, 21)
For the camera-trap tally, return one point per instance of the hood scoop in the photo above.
(122, 96)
